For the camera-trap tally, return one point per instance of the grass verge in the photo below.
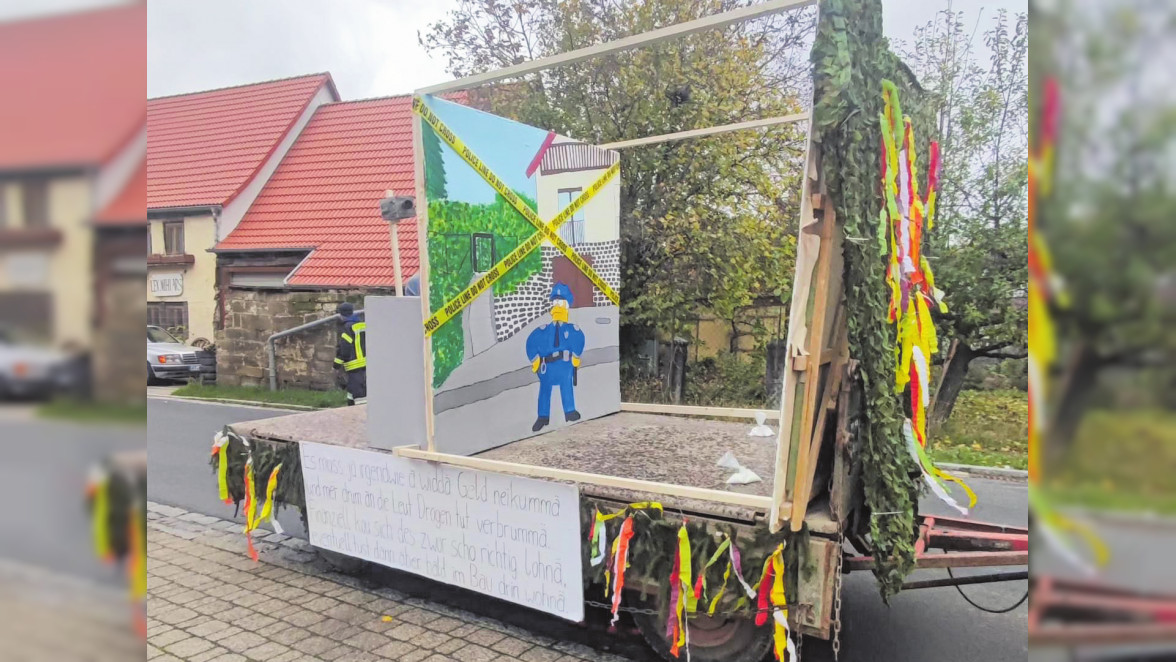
(986, 428)
(93, 412)
(290, 396)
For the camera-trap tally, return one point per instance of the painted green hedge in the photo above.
(451, 228)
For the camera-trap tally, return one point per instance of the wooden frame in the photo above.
(777, 504)
(683, 410)
(667, 489)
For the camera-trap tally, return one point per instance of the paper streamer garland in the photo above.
(620, 562)
(911, 282)
(1045, 290)
(683, 598)
(220, 448)
(98, 491)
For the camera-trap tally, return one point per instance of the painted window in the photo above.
(483, 252)
(572, 231)
(173, 237)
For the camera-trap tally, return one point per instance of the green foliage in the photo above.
(988, 428)
(435, 183)
(705, 224)
(726, 380)
(452, 225)
(85, 411)
(287, 396)
(851, 58)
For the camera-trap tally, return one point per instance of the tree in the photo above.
(705, 223)
(978, 248)
(1108, 220)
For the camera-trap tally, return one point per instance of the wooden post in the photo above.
(392, 225)
(816, 343)
(418, 158)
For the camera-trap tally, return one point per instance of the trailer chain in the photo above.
(837, 598)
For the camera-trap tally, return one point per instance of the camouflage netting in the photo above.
(850, 59)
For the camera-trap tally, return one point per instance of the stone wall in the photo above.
(530, 299)
(304, 360)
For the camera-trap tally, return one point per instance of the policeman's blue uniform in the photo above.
(555, 345)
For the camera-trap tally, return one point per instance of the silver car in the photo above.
(170, 359)
(31, 371)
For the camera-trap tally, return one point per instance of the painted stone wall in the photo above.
(304, 360)
(530, 300)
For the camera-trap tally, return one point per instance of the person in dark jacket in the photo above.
(351, 354)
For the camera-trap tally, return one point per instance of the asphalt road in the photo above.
(929, 625)
(180, 437)
(43, 470)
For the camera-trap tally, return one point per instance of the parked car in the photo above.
(170, 359)
(31, 371)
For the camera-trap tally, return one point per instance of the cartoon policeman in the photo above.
(554, 350)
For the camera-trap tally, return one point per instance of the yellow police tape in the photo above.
(545, 230)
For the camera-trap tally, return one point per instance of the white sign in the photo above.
(513, 538)
(166, 284)
(27, 269)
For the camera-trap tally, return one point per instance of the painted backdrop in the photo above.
(538, 349)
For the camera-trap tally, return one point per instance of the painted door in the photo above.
(563, 271)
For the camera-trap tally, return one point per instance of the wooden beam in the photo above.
(628, 43)
(803, 486)
(816, 341)
(684, 491)
(802, 276)
(418, 159)
(708, 131)
(682, 410)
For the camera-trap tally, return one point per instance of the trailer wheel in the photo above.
(712, 638)
(341, 563)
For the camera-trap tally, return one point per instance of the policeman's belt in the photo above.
(546, 231)
(557, 356)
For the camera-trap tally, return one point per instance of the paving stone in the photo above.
(540, 655)
(484, 637)
(366, 640)
(266, 651)
(475, 653)
(168, 638)
(242, 641)
(208, 655)
(511, 646)
(188, 647)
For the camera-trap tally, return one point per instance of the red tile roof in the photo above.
(203, 148)
(130, 206)
(326, 192)
(74, 87)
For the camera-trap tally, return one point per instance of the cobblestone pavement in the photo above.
(208, 602)
(38, 607)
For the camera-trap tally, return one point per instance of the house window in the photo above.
(483, 252)
(572, 231)
(35, 199)
(173, 237)
(167, 314)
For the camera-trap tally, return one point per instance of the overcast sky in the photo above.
(369, 46)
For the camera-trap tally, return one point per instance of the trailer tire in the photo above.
(713, 639)
(341, 563)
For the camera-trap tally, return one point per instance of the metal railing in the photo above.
(271, 347)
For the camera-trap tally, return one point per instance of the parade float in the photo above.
(464, 467)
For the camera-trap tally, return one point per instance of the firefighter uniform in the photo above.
(351, 356)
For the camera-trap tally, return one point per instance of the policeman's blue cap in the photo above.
(561, 291)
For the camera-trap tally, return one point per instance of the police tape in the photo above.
(545, 230)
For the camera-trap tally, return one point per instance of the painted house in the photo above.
(314, 237)
(71, 139)
(209, 155)
(562, 170)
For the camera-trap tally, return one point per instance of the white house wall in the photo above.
(601, 217)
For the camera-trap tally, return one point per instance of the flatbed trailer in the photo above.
(684, 449)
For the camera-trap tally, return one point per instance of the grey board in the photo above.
(396, 371)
